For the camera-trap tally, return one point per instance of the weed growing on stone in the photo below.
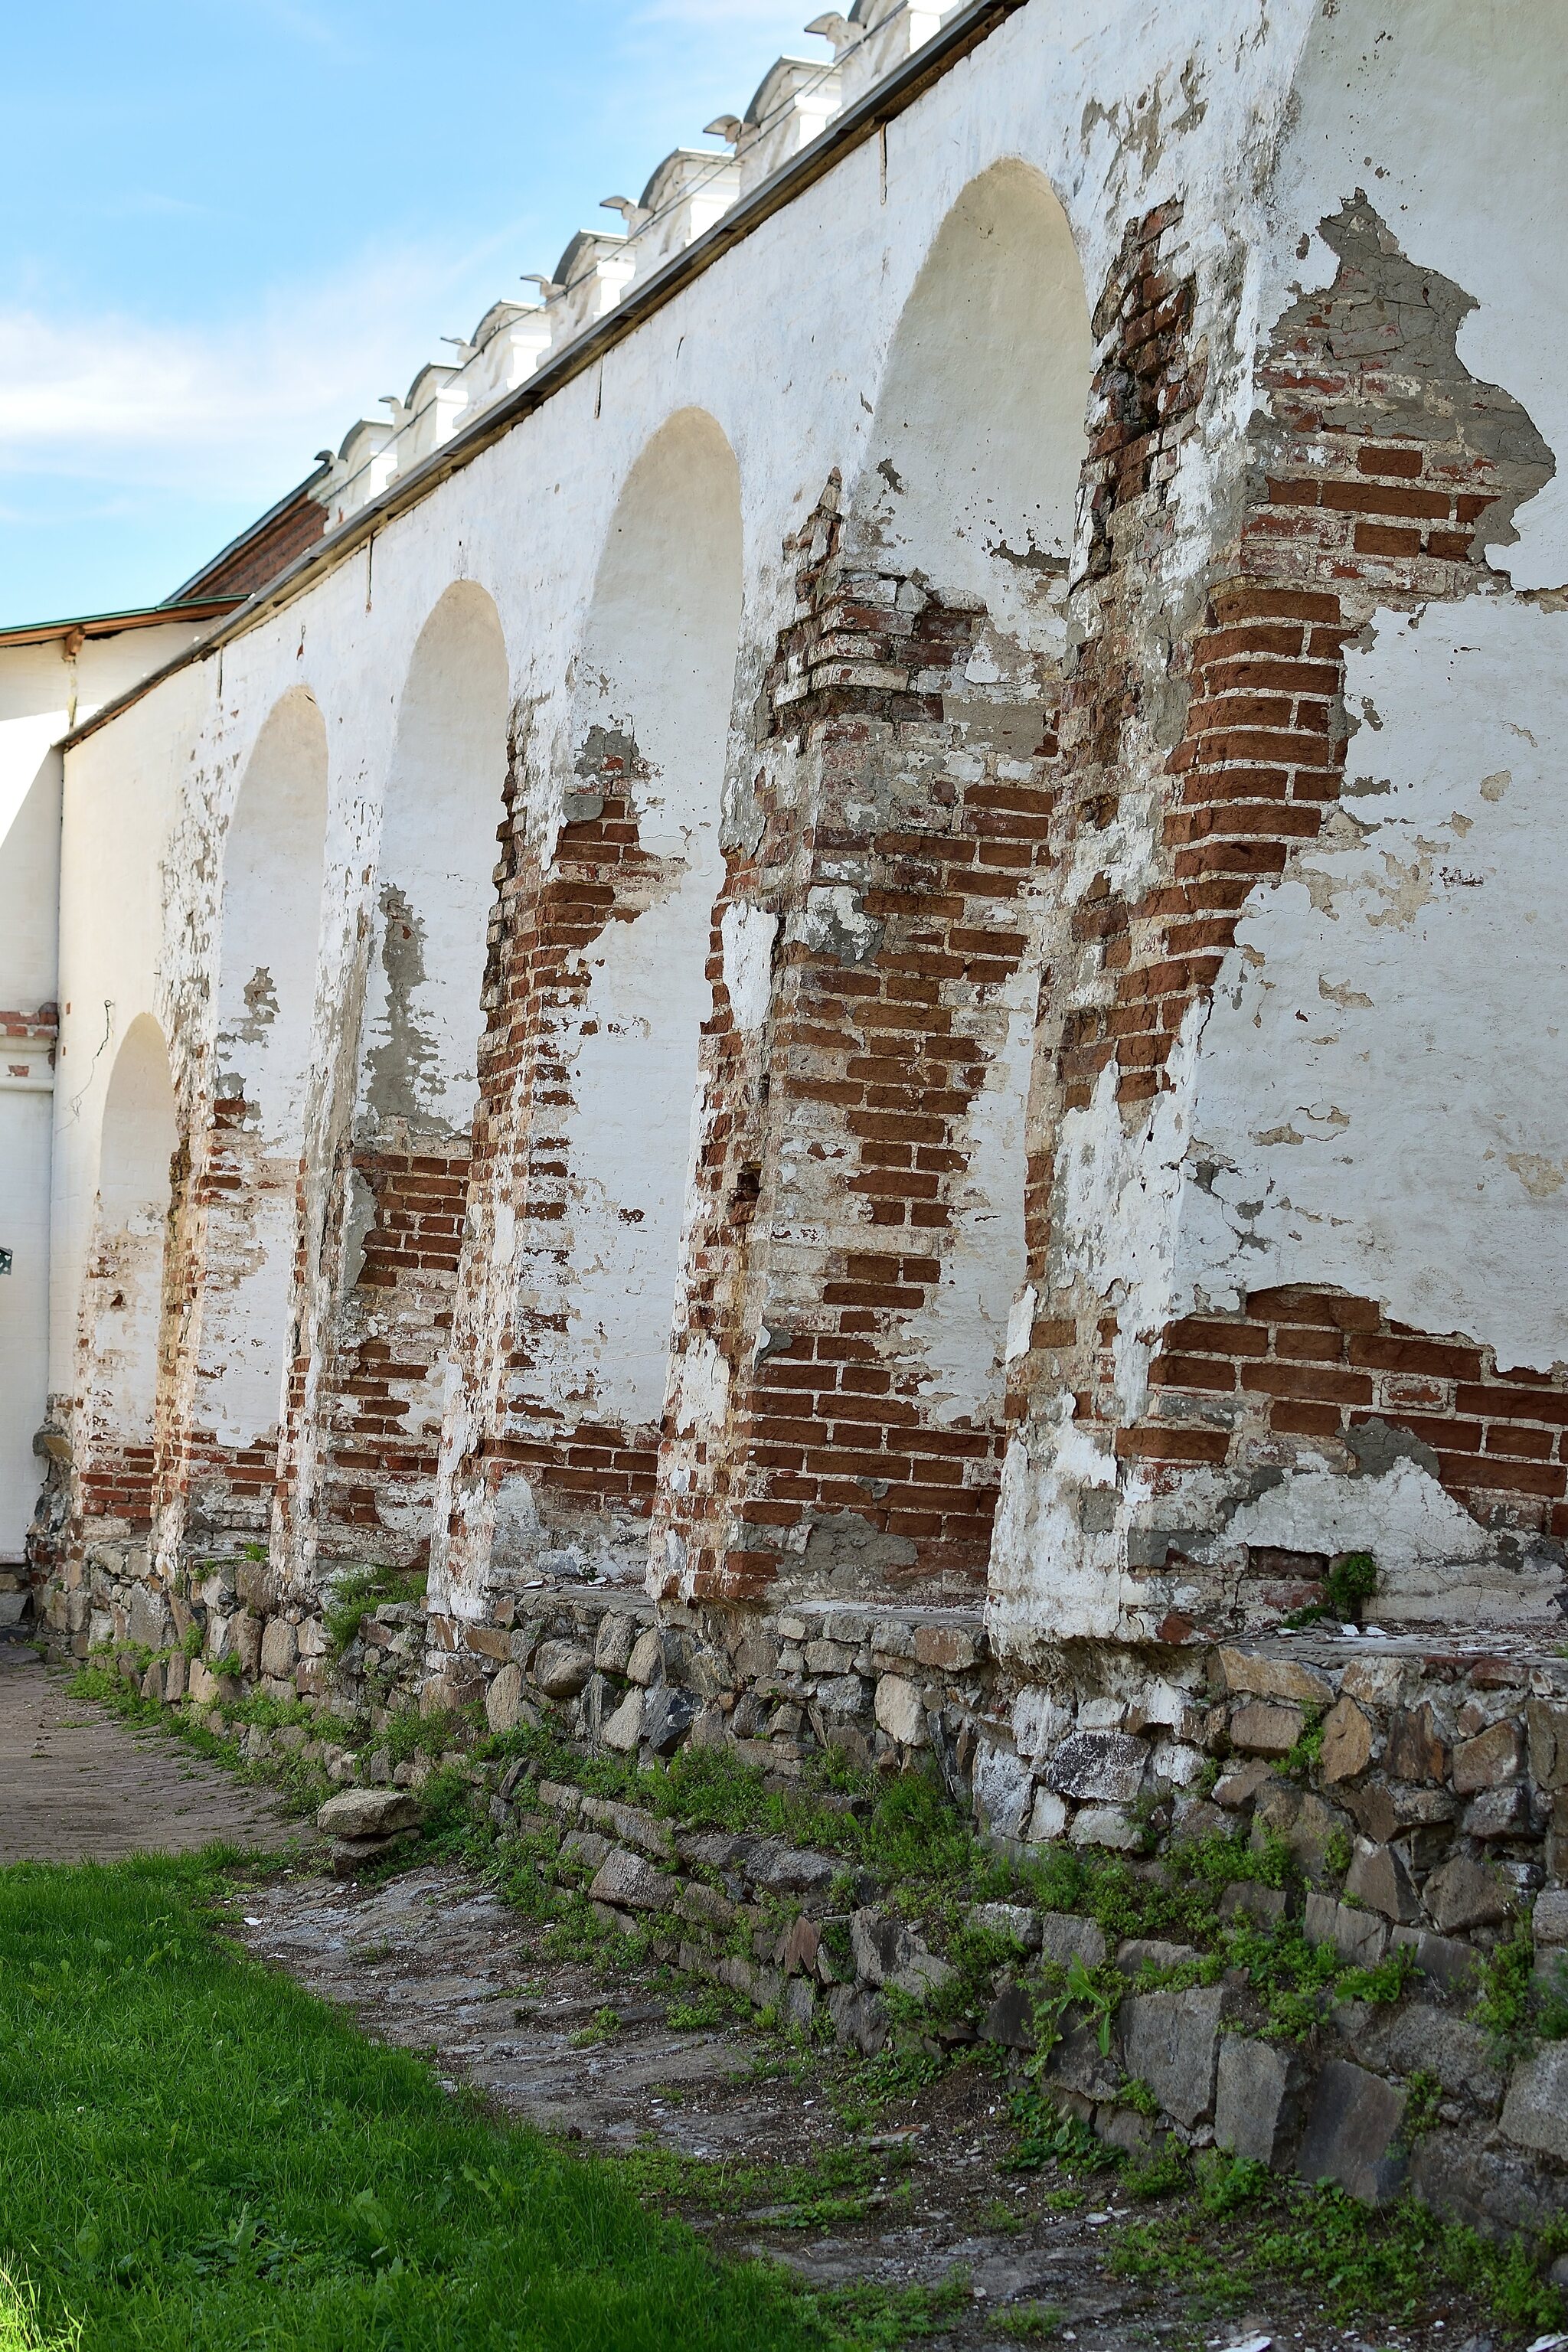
(1513, 2005)
(1033, 2322)
(1244, 2230)
(355, 1592)
(1352, 1580)
(199, 2153)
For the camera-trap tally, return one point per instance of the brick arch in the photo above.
(597, 994)
(120, 1339)
(858, 1228)
(239, 1229)
(401, 1175)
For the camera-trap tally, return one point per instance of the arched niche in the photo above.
(271, 925)
(971, 477)
(434, 885)
(651, 716)
(138, 1142)
(269, 946)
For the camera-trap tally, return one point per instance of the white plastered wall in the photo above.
(269, 929)
(44, 689)
(1374, 1100)
(971, 486)
(130, 1228)
(784, 343)
(656, 673)
(435, 855)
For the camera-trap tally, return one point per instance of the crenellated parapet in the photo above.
(795, 102)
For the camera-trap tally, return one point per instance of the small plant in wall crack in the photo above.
(1351, 1580)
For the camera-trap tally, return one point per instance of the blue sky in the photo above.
(233, 224)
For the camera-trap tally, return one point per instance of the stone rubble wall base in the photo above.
(1354, 2108)
(1421, 1794)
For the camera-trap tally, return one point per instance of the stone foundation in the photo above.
(1393, 1798)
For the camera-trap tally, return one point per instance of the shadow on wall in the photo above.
(124, 1298)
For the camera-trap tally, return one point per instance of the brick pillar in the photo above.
(872, 957)
(526, 1467)
(1380, 470)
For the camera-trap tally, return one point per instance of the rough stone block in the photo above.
(646, 1660)
(1347, 1742)
(1236, 1789)
(1361, 1937)
(622, 1730)
(1171, 2041)
(1465, 1893)
(1064, 1936)
(630, 1884)
(612, 1643)
(1014, 1920)
(709, 1729)
(859, 2021)
(1379, 1877)
(1009, 2021)
(1264, 1904)
(797, 2004)
(900, 1711)
(503, 1700)
(1498, 1813)
(279, 1647)
(793, 1870)
(1103, 1767)
(1048, 1820)
(561, 1668)
(1107, 1826)
(1003, 1790)
(1352, 2132)
(1266, 1728)
(1546, 1728)
(706, 1907)
(948, 1649)
(666, 1718)
(1549, 1921)
(1078, 2064)
(887, 1952)
(1450, 2047)
(1415, 1751)
(1491, 2190)
(1491, 1759)
(1138, 1952)
(1256, 2098)
(151, 1623)
(1381, 1811)
(1040, 1723)
(1535, 2112)
(801, 1945)
(1444, 1958)
(367, 1813)
(1248, 1675)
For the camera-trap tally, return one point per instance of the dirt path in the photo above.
(76, 1786)
(434, 1963)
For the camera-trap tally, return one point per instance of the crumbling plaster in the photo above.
(1141, 108)
(1369, 1099)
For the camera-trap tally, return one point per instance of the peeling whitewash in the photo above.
(1369, 1098)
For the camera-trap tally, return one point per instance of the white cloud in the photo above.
(238, 405)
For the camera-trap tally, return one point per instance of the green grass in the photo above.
(199, 2154)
